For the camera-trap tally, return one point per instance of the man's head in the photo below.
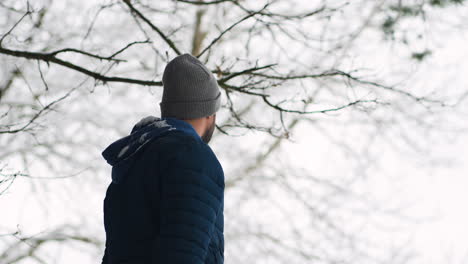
(191, 93)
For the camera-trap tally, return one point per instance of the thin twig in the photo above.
(155, 28)
(54, 53)
(14, 26)
(38, 114)
(214, 2)
(42, 75)
(231, 27)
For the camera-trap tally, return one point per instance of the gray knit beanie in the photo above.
(190, 89)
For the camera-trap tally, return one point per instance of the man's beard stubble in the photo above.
(206, 137)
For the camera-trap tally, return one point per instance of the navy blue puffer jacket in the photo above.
(165, 202)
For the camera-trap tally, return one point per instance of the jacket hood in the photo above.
(120, 154)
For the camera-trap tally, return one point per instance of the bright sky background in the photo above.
(438, 195)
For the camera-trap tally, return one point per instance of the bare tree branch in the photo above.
(215, 2)
(16, 253)
(230, 28)
(38, 114)
(15, 25)
(155, 28)
(47, 57)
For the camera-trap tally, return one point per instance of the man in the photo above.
(166, 199)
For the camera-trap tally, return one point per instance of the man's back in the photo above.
(166, 204)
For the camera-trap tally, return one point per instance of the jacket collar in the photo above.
(183, 126)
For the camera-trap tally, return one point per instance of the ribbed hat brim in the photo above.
(190, 109)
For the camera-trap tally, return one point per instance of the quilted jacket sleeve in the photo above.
(190, 202)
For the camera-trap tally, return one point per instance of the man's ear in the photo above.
(207, 120)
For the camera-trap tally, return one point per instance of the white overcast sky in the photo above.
(440, 192)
